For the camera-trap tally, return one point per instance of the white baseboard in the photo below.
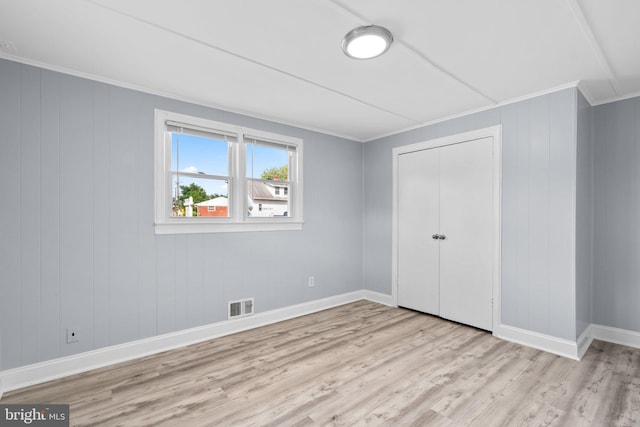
(615, 335)
(543, 342)
(567, 348)
(378, 297)
(24, 376)
(584, 341)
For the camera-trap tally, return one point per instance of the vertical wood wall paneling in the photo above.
(509, 257)
(635, 320)
(562, 199)
(76, 222)
(101, 208)
(376, 245)
(488, 118)
(523, 219)
(82, 276)
(28, 211)
(601, 306)
(10, 248)
(345, 253)
(123, 214)
(584, 216)
(196, 267)
(50, 208)
(599, 218)
(539, 220)
(619, 288)
(614, 219)
(605, 302)
(546, 306)
(100, 267)
(213, 280)
(147, 298)
(626, 168)
(181, 256)
(461, 124)
(166, 311)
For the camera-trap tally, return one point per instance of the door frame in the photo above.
(494, 132)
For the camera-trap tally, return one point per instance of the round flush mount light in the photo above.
(366, 42)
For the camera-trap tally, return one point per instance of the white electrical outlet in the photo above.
(73, 335)
(312, 281)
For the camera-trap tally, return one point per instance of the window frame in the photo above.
(237, 221)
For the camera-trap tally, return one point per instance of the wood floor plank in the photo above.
(360, 363)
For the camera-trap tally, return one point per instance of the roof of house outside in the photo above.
(218, 201)
(261, 191)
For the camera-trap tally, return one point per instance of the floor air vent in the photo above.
(241, 308)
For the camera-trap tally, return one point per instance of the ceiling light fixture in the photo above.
(366, 42)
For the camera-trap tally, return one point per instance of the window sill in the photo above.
(232, 227)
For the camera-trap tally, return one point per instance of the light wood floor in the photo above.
(361, 363)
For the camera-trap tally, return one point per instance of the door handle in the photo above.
(442, 237)
(435, 237)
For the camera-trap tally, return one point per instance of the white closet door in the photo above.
(418, 195)
(466, 212)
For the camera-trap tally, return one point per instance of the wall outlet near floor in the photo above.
(312, 281)
(73, 335)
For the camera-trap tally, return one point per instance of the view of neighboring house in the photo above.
(269, 199)
(218, 206)
(265, 200)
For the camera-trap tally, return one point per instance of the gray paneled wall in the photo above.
(538, 212)
(584, 217)
(77, 245)
(616, 289)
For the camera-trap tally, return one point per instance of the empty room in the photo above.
(321, 212)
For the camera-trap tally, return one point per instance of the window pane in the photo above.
(197, 154)
(269, 162)
(209, 197)
(268, 199)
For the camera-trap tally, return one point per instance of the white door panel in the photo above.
(447, 190)
(418, 281)
(466, 210)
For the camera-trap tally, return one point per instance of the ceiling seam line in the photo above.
(277, 70)
(174, 96)
(442, 70)
(419, 54)
(585, 27)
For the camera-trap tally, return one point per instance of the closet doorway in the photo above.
(446, 227)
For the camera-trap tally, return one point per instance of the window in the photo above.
(209, 176)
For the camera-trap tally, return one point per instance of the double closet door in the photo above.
(445, 231)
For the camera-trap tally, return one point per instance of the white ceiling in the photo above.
(282, 59)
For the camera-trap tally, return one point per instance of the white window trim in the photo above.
(238, 221)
